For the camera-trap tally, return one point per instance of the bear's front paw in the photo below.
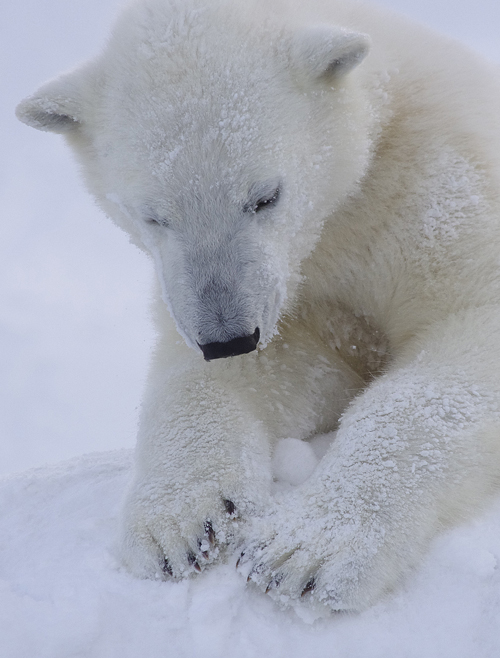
(300, 554)
(167, 537)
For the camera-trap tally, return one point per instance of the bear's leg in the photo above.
(202, 463)
(418, 449)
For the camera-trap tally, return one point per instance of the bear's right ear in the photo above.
(323, 51)
(55, 107)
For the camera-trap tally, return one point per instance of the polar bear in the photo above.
(318, 187)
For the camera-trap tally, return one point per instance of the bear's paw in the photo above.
(297, 555)
(165, 539)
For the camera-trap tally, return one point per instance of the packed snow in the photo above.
(74, 343)
(63, 593)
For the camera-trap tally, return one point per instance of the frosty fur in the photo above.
(329, 174)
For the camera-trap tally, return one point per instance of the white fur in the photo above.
(374, 280)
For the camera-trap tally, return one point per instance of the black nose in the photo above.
(234, 347)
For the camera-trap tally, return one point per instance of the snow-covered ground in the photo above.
(64, 595)
(74, 342)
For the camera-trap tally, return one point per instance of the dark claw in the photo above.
(239, 559)
(230, 507)
(257, 569)
(275, 582)
(310, 585)
(204, 553)
(166, 568)
(210, 532)
(191, 558)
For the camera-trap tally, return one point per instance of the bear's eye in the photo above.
(267, 201)
(153, 218)
(263, 199)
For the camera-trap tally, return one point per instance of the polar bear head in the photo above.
(220, 137)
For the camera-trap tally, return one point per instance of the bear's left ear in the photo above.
(56, 106)
(323, 51)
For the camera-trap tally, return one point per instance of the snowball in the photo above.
(293, 461)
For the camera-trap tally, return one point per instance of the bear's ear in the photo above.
(323, 51)
(55, 107)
